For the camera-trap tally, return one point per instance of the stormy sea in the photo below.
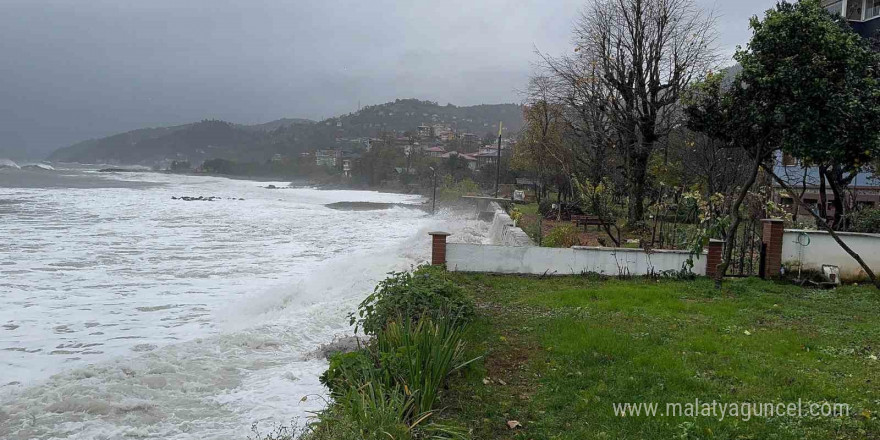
(152, 305)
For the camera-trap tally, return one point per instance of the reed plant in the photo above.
(420, 356)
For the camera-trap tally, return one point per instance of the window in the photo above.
(854, 10)
(835, 7)
(872, 9)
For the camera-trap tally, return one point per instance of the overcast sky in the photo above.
(76, 69)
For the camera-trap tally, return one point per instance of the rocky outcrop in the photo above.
(344, 344)
(203, 198)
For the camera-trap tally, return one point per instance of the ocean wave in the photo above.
(6, 163)
(152, 344)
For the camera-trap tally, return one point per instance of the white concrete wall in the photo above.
(822, 249)
(561, 261)
(504, 232)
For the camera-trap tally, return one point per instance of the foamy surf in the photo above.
(248, 357)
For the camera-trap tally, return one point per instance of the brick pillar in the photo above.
(438, 248)
(713, 259)
(772, 239)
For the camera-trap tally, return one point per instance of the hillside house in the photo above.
(471, 160)
(435, 151)
(469, 141)
(425, 131)
(328, 158)
(862, 192)
(486, 158)
(863, 15)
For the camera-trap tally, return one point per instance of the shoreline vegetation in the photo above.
(480, 356)
(390, 386)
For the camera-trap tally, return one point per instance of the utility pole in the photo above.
(434, 183)
(498, 161)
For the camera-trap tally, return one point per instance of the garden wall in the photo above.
(503, 231)
(566, 261)
(820, 248)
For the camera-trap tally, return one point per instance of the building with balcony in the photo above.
(863, 15)
(328, 158)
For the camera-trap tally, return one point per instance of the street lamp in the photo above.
(434, 196)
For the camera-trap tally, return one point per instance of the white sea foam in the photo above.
(6, 163)
(38, 167)
(126, 313)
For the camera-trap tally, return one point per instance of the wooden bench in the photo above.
(586, 220)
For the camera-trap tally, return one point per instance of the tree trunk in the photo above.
(797, 206)
(839, 209)
(731, 232)
(823, 193)
(824, 224)
(637, 191)
(559, 204)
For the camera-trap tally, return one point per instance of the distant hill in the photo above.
(280, 123)
(212, 139)
(95, 150)
(408, 114)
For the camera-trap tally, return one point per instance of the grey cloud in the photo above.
(71, 70)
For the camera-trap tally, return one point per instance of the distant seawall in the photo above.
(504, 231)
(510, 250)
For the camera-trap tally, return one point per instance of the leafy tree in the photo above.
(219, 166)
(808, 88)
(738, 119)
(377, 165)
(457, 167)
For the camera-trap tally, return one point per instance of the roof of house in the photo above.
(486, 154)
(461, 155)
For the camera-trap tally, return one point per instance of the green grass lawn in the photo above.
(560, 351)
(528, 208)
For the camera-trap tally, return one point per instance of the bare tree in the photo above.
(638, 55)
(543, 147)
(710, 164)
(573, 82)
(543, 133)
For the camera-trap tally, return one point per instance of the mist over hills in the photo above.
(211, 139)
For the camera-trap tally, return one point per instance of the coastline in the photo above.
(241, 376)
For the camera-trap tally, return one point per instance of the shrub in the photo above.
(370, 411)
(376, 412)
(420, 355)
(391, 387)
(345, 370)
(562, 236)
(866, 220)
(427, 291)
(515, 214)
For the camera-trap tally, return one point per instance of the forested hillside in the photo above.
(211, 139)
